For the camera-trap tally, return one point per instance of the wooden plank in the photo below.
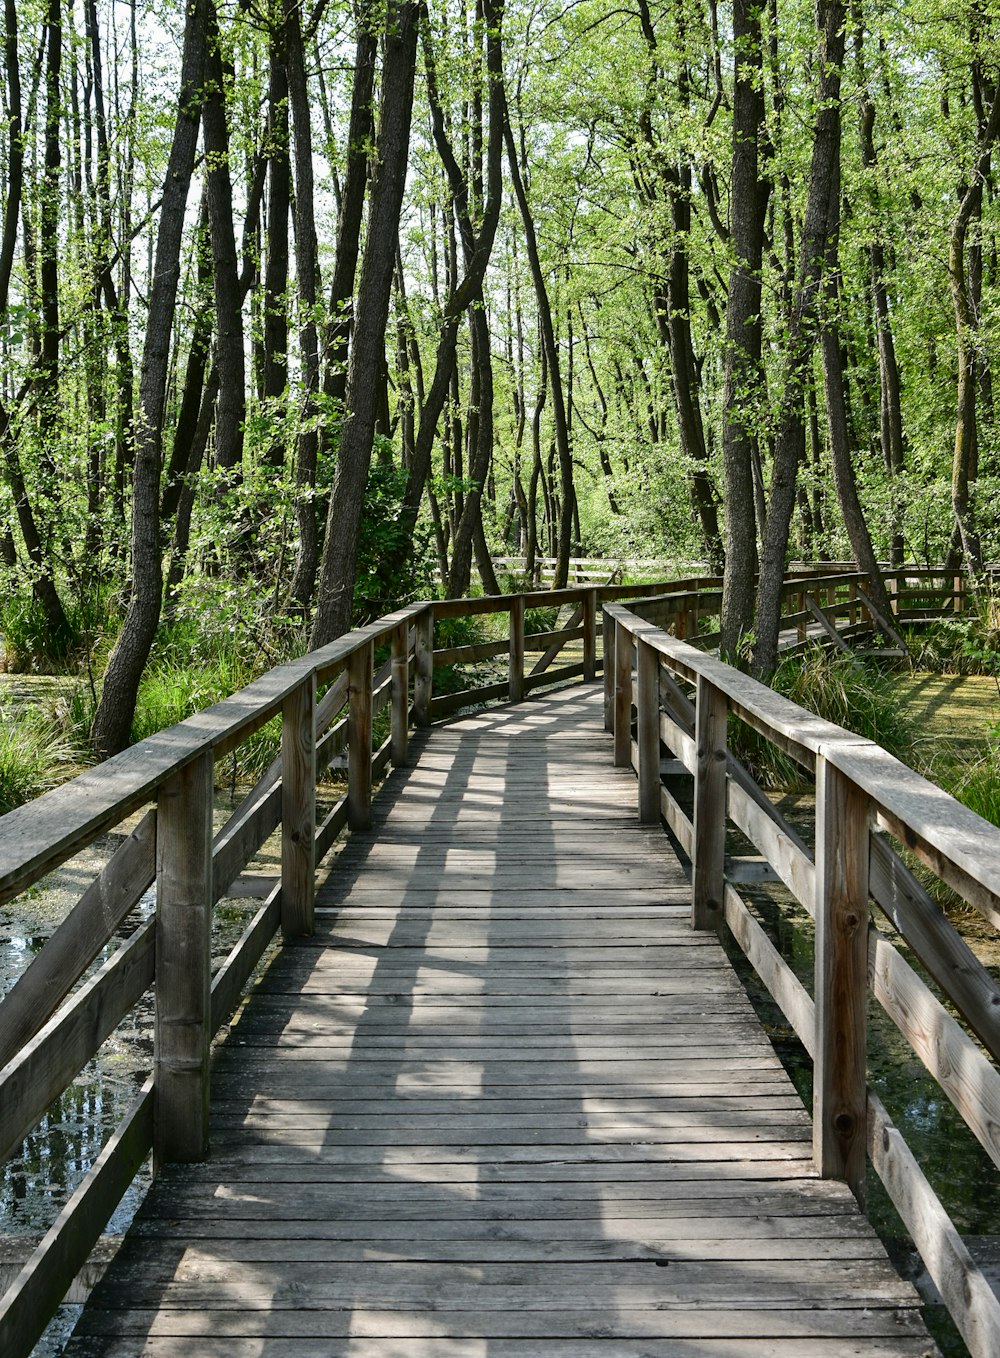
(590, 635)
(768, 832)
(298, 810)
(47, 1275)
(966, 1293)
(967, 1076)
(359, 738)
(77, 940)
(823, 619)
(956, 844)
(708, 884)
(232, 976)
(537, 679)
(783, 985)
(43, 1068)
(623, 697)
(327, 833)
(240, 839)
(936, 942)
(515, 660)
(648, 733)
(423, 667)
(183, 962)
(841, 992)
(471, 654)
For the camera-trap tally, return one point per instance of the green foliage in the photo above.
(539, 620)
(26, 644)
(388, 572)
(976, 782)
(35, 755)
(969, 644)
(841, 689)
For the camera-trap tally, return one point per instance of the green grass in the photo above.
(839, 688)
(35, 755)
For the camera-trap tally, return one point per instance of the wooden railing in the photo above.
(670, 707)
(64, 1006)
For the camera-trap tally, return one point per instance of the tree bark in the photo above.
(965, 460)
(116, 708)
(741, 360)
(337, 571)
(307, 276)
(229, 351)
(790, 438)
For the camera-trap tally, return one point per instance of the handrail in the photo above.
(870, 810)
(326, 700)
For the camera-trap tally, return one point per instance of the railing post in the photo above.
(959, 586)
(608, 629)
(800, 608)
(359, 737)
(708, 879)
(423, 660)
(840, 1098)
(590, 635)
(516, 670)
(623, 697)
(400, 733)
(183, 962)
(298, 810)
(648, 731)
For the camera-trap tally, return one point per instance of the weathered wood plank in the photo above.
(47, 1275)
(501, 1084)
(75, 943)
(183, 962)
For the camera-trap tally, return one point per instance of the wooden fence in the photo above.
(64, 1006)
(667, 701)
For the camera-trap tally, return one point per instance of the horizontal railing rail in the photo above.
(670, 707)
(68, 1001)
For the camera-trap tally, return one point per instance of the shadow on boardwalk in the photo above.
(504, 1104)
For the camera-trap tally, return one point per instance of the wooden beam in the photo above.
(708, 883)
(183, 963)
(841, 989)
(298, 810)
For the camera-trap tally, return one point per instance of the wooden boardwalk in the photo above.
(504, 1104)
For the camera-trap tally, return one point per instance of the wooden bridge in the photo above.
(501, 1092)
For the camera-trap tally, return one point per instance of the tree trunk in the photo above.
(565, 452)
(116, 708)
(307, 274)
(229, 351)
(337, 571)
(274, 356)
(790, 440)
(741, 360)
(965, 460)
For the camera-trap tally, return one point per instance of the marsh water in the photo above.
(38, 1180)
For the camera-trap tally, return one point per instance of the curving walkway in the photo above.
(504, 1104)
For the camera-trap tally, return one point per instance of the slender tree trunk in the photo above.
(565, 452)
(307, 274)
(337, 571)
(741, 361)
(965, 460)
(116, 708)
(890, 398)
(840, 441)
(275, 346)
(229, 345)
(790, 440)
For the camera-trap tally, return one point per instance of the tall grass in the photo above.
(35, 755)
(842, 689)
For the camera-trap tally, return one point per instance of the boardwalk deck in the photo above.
(504, 1104)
